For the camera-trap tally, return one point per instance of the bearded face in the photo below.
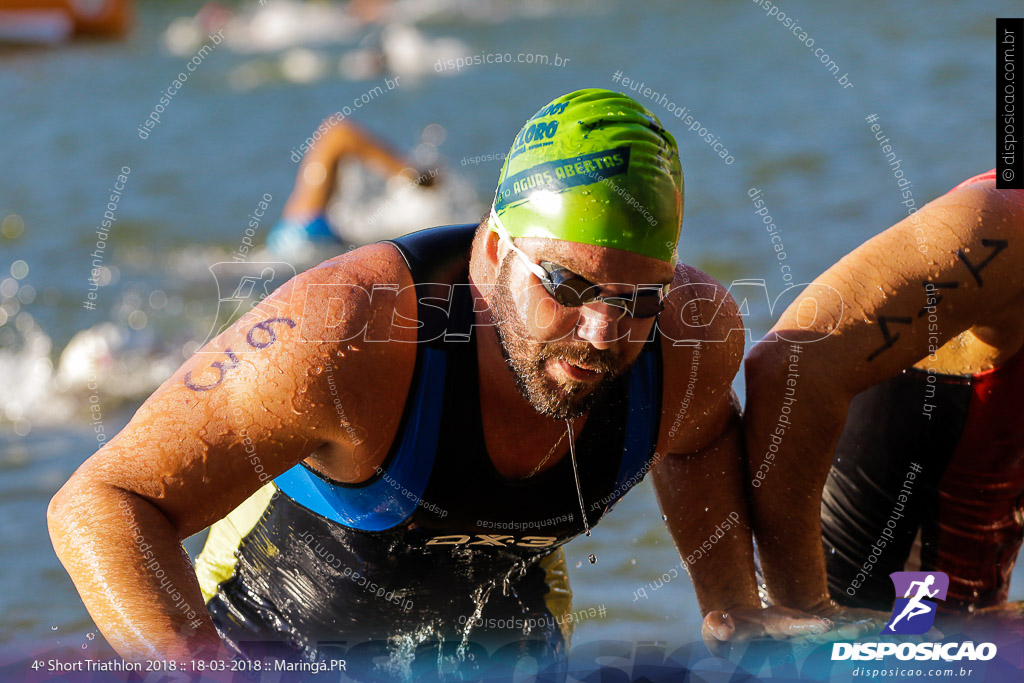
(530, 359)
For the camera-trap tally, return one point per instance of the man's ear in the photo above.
(492, 249)
(488, 252)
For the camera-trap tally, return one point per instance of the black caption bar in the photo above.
(1009, 150)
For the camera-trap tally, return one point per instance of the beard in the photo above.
(527, 358)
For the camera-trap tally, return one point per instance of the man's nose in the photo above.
(598, 325)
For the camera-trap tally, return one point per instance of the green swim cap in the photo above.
(595, 167)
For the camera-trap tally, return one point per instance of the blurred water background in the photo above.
(69, 123)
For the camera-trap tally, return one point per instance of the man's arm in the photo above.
(885, 306)
(701, 481)
(250, 405)
(700, 492)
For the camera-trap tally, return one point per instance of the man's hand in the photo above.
(745, 623)
(849, 623)
(828, 624)
(1008, 616)
(427, 178)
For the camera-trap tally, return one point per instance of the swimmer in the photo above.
(303, 221)
(904, 405)
(394, 446)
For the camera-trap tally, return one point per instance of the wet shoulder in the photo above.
(361, 296)
(699, 308)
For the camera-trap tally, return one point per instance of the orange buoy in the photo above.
(59, 20)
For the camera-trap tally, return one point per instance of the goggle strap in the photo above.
(499, 228)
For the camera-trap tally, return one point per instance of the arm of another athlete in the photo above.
(359, 143)
(318, 173)
(882, 308)
(251, 404)
(701, 480)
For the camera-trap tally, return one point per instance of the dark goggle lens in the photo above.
(571, 290)
(647, 304)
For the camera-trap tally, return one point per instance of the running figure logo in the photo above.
(914, 613)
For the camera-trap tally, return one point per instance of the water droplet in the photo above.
(706, 509)
(578, 564)
(633, 561)
(593, 558)
(664, 518)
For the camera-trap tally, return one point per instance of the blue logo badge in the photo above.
(914, 612)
